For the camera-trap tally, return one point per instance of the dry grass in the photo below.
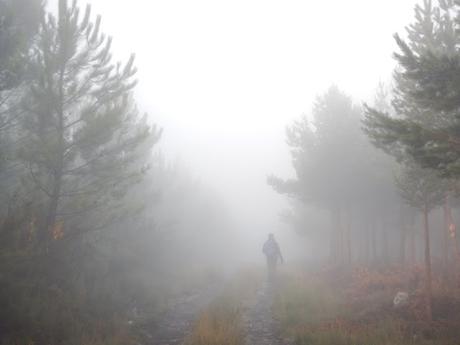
(327, 308)
(222, 322)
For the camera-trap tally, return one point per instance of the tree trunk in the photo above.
(384, 243)
(50, 220)
(402, 249)
(374, 243)
(452, 233)
(332, 245)
(367, 243)
(334, 239)
(412, 244)
(428, 292)
(445, 233)
(348, 237)
(57, 161)
(340, 241)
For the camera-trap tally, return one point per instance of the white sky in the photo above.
(224, 78)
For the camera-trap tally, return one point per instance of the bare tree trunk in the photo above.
(402, 249)
(457, 247)
(428, 292)
(333, 238)
(412, 244)
(367, 244)
(450, 231)
(445, 233)
(453, 235)
(384, 242)
(340, 237)
(374, 243)
(348, 237)
(50, 220)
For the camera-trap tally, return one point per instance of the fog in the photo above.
(224, 79)
(229, 172)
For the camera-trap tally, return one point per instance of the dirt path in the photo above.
(261, 328)
(177, 323)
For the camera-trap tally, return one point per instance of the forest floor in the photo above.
(354, 306)
(234, 311)
(327, 306)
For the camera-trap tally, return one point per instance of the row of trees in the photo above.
(93, 223)
(338, 169)
(422, 132)
(73, 145)
(72, 140)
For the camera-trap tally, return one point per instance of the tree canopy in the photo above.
(426, 124)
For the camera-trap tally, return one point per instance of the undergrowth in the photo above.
(222, 322)
(350, 308)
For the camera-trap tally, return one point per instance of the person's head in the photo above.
(271, 237)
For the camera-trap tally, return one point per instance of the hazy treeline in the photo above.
(380, 202)
(338, 170)
(348, 195)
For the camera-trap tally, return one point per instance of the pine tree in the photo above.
(329, 155)
(418, 133)
(83, 140)
(425, 128)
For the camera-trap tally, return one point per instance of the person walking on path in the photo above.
(272, 252)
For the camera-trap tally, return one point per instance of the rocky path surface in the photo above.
(261, 328)
(176, 324)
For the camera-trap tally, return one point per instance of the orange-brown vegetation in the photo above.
(336, 306)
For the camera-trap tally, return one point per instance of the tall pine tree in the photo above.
(427, 104)
(83, 138)
(420, 133)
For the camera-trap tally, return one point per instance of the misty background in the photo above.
(140, 176)
(224, 79)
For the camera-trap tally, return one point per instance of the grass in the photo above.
(222, 322)
(336, 308)
(302, 301)
(95, 307)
